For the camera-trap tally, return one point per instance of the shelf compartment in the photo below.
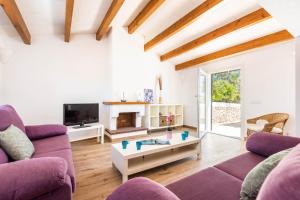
(157, 114)
(179, 109)
(163, 110)
(179, 120)
(154, 110)
(154, 122)
(139, 164)
(172, 110)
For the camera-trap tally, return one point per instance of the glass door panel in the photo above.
(202, 103)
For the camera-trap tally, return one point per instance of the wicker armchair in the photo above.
(275, 120)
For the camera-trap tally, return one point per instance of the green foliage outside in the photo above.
(226, 87)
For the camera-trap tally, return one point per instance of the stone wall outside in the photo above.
(223, 113)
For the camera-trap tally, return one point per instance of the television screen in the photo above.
(80, 114)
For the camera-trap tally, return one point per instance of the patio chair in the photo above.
(270, 123)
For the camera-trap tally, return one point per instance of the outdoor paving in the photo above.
(230, 130)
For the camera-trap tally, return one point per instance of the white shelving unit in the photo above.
(156, 113)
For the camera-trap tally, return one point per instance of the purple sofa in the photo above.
(49, 174)
(223, 181)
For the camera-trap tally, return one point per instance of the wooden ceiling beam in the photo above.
(68, 19)
(147, 11)
(181, 23)
(12, 11)
(256, 43)
(248, 20)
(111, 13)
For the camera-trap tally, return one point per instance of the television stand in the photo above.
(81, 126)
(77, 132)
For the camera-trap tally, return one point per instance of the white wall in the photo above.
(1, 84)
(188, 82)
(41, 77)
(297, 78)
(268, 82)
(4, 55)
(134, 70)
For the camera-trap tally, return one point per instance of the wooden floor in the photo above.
(96, 178)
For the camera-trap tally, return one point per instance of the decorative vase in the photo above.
(123, 99)
(169, 133)
(156, 94)
(159, 89)
(160, 98)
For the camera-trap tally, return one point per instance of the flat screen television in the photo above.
(81, 114)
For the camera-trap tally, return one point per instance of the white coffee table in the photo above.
(130, 161)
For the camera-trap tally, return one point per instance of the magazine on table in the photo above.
(155, 142)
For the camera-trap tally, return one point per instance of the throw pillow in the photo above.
(16, 144)
(262, 122)
(276, 130)
(283, 182)
(255, 178)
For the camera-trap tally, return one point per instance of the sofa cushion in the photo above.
(208, 184)
(15, 143)
(142, 189)
(284, 181)
(67, 155)
(64, 192)
(10, 116)
(51, 144)
(3, 157)
(240, 166)
(29, 179)
(266, 144)
(255, 178)
(45, 131)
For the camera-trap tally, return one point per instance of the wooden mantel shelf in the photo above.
(123, 103)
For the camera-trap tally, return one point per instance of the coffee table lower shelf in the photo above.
(144, 162)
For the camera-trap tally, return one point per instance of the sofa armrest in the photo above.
(44, 131)
(29, 179)
(266, 144)
(142, 189)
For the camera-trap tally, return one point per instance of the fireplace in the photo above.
(126, 120)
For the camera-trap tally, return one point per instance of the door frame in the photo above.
(207, 97)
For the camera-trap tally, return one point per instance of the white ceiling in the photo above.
(47, 17)
(287, 12)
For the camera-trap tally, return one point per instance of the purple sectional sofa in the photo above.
(223, 181)
(49, 174)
